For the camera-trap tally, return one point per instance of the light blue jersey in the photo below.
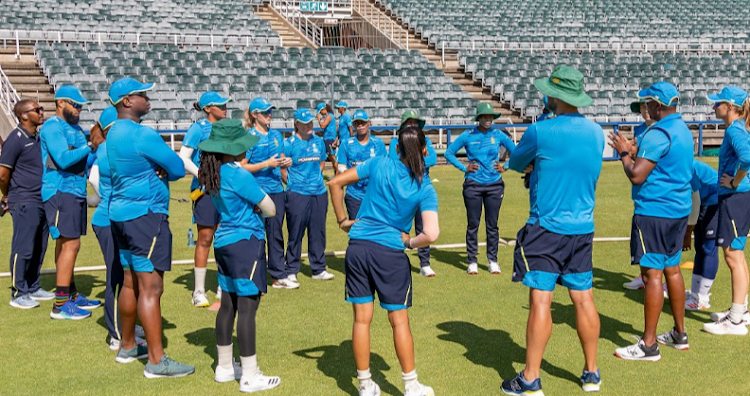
(429, 161)
(482, 148)
(391, 201)
(352, 153)
(666, 191)
(345, 122)
(329, 133)
(639, 130)
(706, 182)
(236, 202)
(64, 154)
(734, 154)
(567, 155)
(101, 215)
(135, 153)
(304, 176)
(198, 132)
(270, 144)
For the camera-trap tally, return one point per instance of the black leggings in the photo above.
(247, 307)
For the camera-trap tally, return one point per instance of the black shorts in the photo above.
(329, 147)
(543, 258)
(656, 242)
(734, 220)
(205, 213)
(242, 267)
(66, 216)
(145, 243)
(372, 267)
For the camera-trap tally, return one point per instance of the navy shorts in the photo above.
(145, 243)
(656, 242)
(373, 268)
(242, 267)
(66, 216)
(205, 213)
(352, 206)
(543, 258)
(329, 147)
(734, 220)
(708, 222)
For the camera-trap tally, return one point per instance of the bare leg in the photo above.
(151, 287)
(203, 245)
(738, 267)
(587, 325)
(361, 334)
(676, 289)
(538, 331)
(653, 302)
(402, 339)
(66, 251)
(127, 304)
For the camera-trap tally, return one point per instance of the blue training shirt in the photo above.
(345, 122)
(352, 153)
(198, 132)
(135, 153)
(482, 148)
(270, 144)
(64, 154)
(101, 215)
(429, 161)
(735, 154)
(236, 203)
(567, 156)
(329, 133)
(22, 154)
(666, 191)
(304, 176)
(639, 130)
(391, 201)
(706, 181)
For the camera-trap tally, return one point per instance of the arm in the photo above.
(267, 207)
(450, 153)
(692, 220)
(336, 186)
(185, 153)
(4, 179)
(325, 121)
(431, 159)
(94, 178)
(524, 154)
(153, 147)
(653, 146)
(8, 159)
(430, 231)
(342, 159)
(58, 149)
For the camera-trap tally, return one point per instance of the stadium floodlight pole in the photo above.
(333, 87)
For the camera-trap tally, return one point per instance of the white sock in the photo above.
(200, 279)
(696, 284)
(705, 286)
(410, 380)
(225, 356)
(736, 312)
(218, 292)
(249, 366)
(364, 377)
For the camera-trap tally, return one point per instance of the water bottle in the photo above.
(190, 238)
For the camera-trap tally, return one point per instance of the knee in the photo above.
(71, 245)
(205, 241)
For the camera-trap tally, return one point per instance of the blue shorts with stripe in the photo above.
(734, 220)
(205, 213)
(656, 242)
(66, 216)
(373, 268)
(145, 243)
(329, 147)
(242, 267)
(543, 258)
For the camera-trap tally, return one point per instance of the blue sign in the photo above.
(313, 6)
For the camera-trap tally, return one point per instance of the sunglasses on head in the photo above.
(76, 106)
(38, 110)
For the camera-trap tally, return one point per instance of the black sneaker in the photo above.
(674, 339)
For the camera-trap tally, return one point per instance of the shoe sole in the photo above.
(679, 347)
(201, 305)
(225, 379)
(535, 393)
(496, 272)
(60, 316)
(701, 308)
(42, 298)
(275, 286)
(19, 306)
(734, 334)
(90, 308)
(644, 359)
(130, 359)
(428, 275)
(323, 279)
(591, 387)
(633, 288)
(152, 375)
(262, 389)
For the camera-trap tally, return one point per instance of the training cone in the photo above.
(688, 265)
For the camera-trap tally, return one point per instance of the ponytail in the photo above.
(248, 120)
(745, 113)
(197, 106)
(411, 144)
(209, 174)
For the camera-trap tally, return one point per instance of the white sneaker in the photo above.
(259, 382)
(293, 278)
(494, 268)
(635, 284)
(200, 299)
(423, 390)
(373, 390)
(285, 284)
(696, 302)
(473, 269)
(223, 375)
(639, 351)
(325, 275)
(427, 272)
(717, 316)
(725, 327)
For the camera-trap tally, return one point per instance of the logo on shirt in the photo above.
(315, 148)
(492, 140)
(372, 152)
(276, 141)
(307, 159)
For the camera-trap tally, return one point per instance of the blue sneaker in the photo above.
(84, 303)
(69, 311)
(42, 295)
(167, 368)
(591, 381)
(23, 302)
(519, 386)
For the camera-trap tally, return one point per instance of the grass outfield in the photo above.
(469, 332)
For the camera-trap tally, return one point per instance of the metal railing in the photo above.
(382, 22)
(8, 95)
(300, 21)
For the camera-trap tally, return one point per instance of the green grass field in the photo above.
(469, 332)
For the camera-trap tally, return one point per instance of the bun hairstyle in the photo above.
(197, 106)
(411, 144)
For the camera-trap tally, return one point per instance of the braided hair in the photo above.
(209, 174)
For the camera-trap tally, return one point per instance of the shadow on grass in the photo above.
(494, 349)
(611, 329)
(455, 258)
(206, 338)
(86, 283)
(337, 362)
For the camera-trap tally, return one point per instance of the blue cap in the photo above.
(260, 104)
(731, 94)
(342, 104)
(303, 115)
(662, 92)
(212, 98)
(71, 93)
(320, 107)
(361, 115)
(127, 86)
(107, 118)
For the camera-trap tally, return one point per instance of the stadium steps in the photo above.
(290, 36)
(27, 77)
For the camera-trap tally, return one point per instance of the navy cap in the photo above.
(107, 118)
(361, 115)
(127, 86)
(212, 98)
(303, 115)
(731, 94)
(260, 105)
(71, 93)
(662, 92)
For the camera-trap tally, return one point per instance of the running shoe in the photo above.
(42, 295)
(199, 299)
(224, 375)
(285, 284)
(473, 269)
(372, 390)
(427, 272)
(725, 327)
(639, 351)
(84, 303)
(697, 302)
(674, 339)
(494, 268)
(325, 275)
(167, 368)
(114, 343)
(69, 311)
(591, 381)
(422, 390)
(131, 355)
(293, 278)
(258, 382)
(23, 302)
(635, 284)
(519, 386)
(717, 316)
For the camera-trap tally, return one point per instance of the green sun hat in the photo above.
(412, 115)
(635, 107)
(228, 136)
(484, 108)
(566, 84)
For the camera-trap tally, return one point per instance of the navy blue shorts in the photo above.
(352, 206)
(145, 243)
(734, 220)
(66, 216)
(242, 267)
(708, 222)
(543, 258)
(656, 242)
(373, 268)
(329, 147)
(205, 213)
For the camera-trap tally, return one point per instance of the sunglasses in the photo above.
(38, 110)
(141, 94)
(76, 106)
(717, 104)
(266, 113)
(357, 124)
(221, 107)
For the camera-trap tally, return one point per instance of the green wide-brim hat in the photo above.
(566, 84)
(485, 108)
(412, 115)
(635, 107)
(228, 137)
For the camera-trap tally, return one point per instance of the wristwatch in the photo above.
(731, 184)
